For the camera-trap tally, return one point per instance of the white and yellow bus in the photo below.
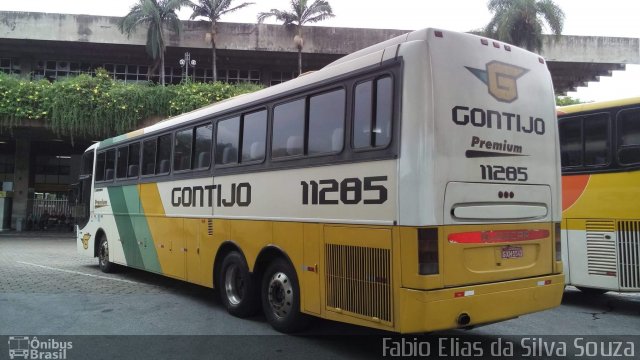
(411, 186)
(600, 147)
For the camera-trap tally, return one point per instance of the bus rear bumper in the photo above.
(424, 311)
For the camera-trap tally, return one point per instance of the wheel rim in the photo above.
(234, 284)
(104, 253)
(280, 294)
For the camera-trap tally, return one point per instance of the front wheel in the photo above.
(103, 256)
(237, 288)
(281, 298)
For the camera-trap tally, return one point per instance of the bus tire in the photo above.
(281, 298)
(237, 287)
(103, 256)
(591, 291)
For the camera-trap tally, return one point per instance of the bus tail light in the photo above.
(497, 236)
(558, 240)
(428, 251)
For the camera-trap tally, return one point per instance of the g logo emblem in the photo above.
(85, 240)
(500, 79)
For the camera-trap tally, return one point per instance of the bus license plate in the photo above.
(511, 252)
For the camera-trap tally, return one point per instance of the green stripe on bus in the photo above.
(141, 229)
(125, 226)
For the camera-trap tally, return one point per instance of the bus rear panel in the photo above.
(479, 181)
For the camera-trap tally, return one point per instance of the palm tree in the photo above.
(520, 22)
(213, 10)
(156, 15)
(300, 15)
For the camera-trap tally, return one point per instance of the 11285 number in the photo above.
(349, 191)
(504, 173)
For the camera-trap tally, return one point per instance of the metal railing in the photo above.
(50, 207)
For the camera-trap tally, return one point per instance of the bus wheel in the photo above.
(238, 291)
(281, 298)
(103, 256)
(591, 291)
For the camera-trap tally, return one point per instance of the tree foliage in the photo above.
(99, 107)
(567, 100)
(520, 22)
(299, 15)
(212, 10)
(156, 15)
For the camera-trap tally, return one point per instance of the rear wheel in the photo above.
(237, 287)
(103, 256)
(281, 298)
(591, 291)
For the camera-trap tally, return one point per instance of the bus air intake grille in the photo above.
(601, 248)
(629, 255)
(210, 227)
(359, 281)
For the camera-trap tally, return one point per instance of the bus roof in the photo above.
(572, 109)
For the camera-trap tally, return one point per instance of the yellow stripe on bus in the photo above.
(167, 233)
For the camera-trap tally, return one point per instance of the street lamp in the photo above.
(186, 62)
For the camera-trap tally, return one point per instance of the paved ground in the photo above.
(46, 289)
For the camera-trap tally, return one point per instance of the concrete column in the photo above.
(21, 193)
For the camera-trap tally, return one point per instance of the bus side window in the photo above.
(288, 129)
(134, 160)
(149, 157)
(110, 164)
(373, 113)
(362, 115)
(227, 141)
(596, 140)
(629, 137)
(100, 166)
(122, 158)
(202, 146)
(384, 112)
(254, 133)
(163, 154)
(326, 122)
(182, 150)
(571, 144)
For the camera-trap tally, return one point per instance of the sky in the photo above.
(616, 18)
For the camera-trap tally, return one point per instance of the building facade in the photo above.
(37, 166)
